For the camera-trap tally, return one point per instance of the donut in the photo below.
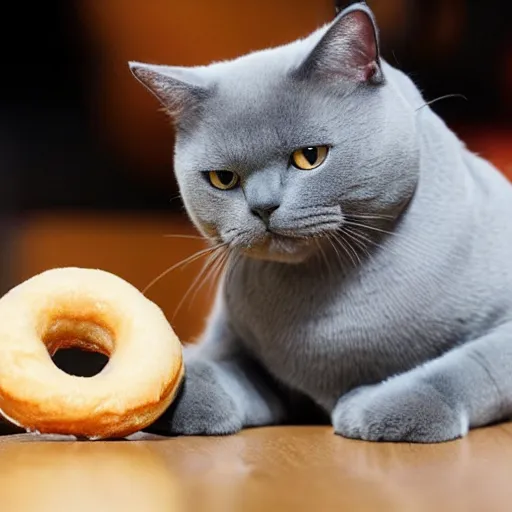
(96, 311)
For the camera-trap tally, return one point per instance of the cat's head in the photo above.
(277, 150)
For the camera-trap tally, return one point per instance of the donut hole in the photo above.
(80, 363)
(78, 347)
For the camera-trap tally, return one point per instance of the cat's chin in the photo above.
(281, 249)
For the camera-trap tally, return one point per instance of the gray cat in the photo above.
(370, 269)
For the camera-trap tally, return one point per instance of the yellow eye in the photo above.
(223, 180)
(309, 158)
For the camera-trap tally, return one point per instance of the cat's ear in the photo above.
(178, 89)
(348, 50)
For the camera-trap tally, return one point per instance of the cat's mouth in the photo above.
(281, 247)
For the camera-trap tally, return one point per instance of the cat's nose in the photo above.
(264, 212)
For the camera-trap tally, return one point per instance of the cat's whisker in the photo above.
(182, 263)
(323, 255)
(187, 237)
(361, 239)
(330, 239)
(410, 241)
(342, 259)
(393, 250)
(343, 245)
(220, 267)
(444, 97)
(334, 243)
(346, 231)
(209, 261)
(174, 197)
(371, 217)
(213, 273)
(408, 246)
(350, 247)
(207, 273)
(233, 259)
(398, 252)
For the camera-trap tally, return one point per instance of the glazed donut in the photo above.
(96, 311)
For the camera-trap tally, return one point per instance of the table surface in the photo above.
(268, 469)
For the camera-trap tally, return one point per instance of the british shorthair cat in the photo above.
(370, 252)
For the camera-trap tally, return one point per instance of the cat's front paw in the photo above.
(399, 410)
(202, 408)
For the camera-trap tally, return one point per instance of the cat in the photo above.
(369, 281)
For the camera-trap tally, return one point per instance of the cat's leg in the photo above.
(224, 390)
(468, 387)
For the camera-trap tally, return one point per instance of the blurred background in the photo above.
(86, 174)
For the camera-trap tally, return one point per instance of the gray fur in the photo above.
(406, 335)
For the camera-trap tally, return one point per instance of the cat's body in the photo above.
(406, 334)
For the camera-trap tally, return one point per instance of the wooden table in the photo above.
(264, 470)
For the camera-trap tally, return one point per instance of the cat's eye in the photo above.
(223, 180)
(309, 158)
